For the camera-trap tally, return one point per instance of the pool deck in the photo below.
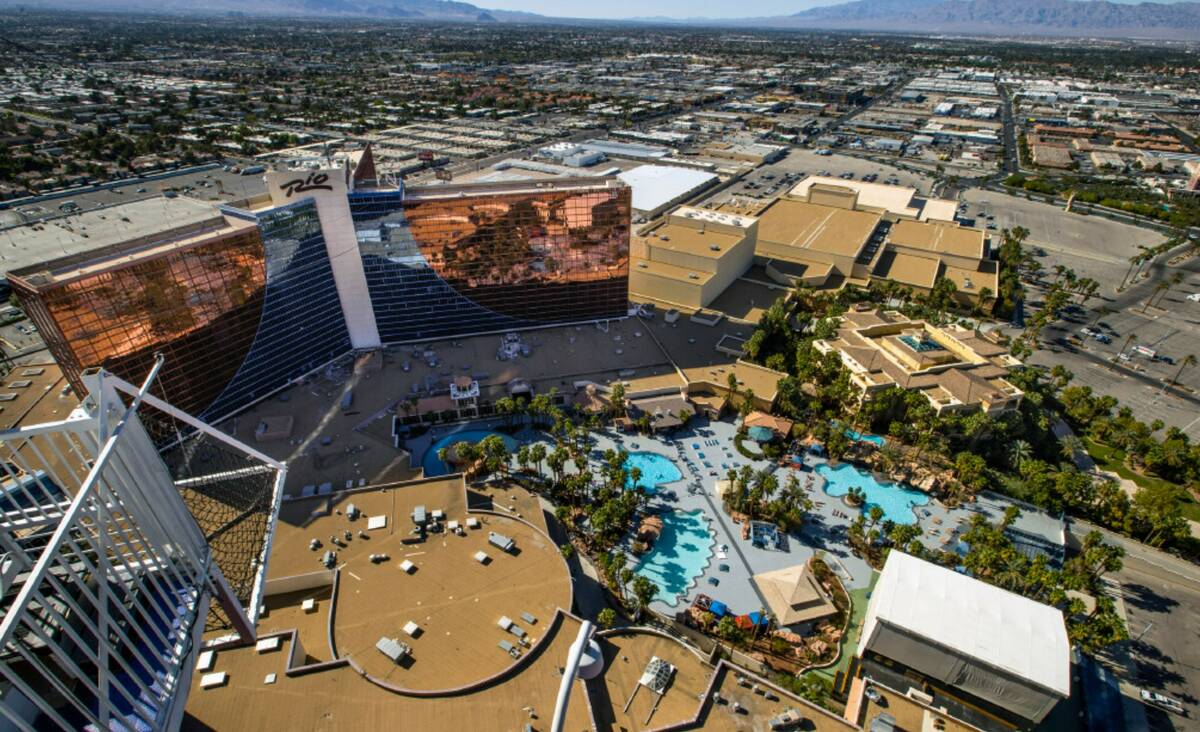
(825, 530)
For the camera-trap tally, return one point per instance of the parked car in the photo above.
(1160, 701)
(1103, 338)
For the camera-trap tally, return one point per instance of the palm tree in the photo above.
(1188, 360)
(1136, 260)
(1175, 280)
(1162, 288)
(1070, 446)
(1020, 452)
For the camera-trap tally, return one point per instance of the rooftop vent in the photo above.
(693, 276)
(714, 247)
(642, 265)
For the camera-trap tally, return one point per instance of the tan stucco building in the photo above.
(954, 367)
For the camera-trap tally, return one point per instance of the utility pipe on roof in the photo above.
(574, 656)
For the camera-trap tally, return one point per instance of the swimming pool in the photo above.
(655, 468)
(434, 466)
(896, 500)
(864, 437)
(679, 556)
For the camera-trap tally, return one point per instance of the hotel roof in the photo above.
(809, 226)
(70, 238)
(938, 238)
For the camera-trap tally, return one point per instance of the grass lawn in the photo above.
(1112, 459)
(850, 641)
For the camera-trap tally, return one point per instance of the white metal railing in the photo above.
(107, 578)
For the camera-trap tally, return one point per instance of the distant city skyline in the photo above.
(675, 9)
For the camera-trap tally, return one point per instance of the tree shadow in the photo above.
(1144, 598)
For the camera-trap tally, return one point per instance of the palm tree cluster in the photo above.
(757, 494)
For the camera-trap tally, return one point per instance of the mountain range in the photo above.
(1088, 18)
(1006, 17)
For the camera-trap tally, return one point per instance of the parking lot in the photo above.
(207, 185)
(1093, 246)
(775, 179)
(1163, 336)
(20, 339)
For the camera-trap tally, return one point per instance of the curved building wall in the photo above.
(199, 306)
(440, 267)
(301, 326)
(237, 314)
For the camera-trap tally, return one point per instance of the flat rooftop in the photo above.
(34, 393)
(359, 439)
(939, 238)
(456, 600)
(340, 698)
(907, 269)
(688, 702)
(49, 244)
(452, 190)
(896, 199)
(671, 271)
(812, 227)
(654, 186)
(687, 240)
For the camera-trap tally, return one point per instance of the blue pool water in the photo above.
(896, 500)
(655, 468)
(433, 466)
(679, 555)
(864, 437)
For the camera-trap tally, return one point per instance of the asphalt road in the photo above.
(1162, 611)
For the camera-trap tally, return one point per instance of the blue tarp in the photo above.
(758, 618)
(718, 608)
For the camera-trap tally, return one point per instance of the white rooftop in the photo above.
(899, 200)
(998, 628)
(716, 217)
(655, 186)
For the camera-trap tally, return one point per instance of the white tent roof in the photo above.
(657, 185)
(999, 628)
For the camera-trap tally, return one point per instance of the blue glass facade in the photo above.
(301, 325)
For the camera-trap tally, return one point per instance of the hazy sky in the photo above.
(667, 8)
